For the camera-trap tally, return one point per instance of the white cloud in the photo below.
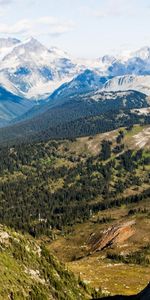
(45, 25)
(111, 8)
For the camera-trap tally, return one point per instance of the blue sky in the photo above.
(84, 28)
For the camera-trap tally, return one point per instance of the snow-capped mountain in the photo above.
(84, 82)
(29, 69)
(130, 71)
(129, 82)
(7, 45)
(143, 53)
(35, 70)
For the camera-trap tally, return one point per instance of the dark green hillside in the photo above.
(12, 106)
(61, 192)
(47, 185)
(80, 116)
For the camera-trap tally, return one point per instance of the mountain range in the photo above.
(33, 70)
(74, 173)
(34, 78)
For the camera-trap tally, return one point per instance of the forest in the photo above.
(44, 186)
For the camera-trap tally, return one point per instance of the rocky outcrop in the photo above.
(144, 295)
(112, 236)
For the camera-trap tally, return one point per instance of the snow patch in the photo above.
(143, 138)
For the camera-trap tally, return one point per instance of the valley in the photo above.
(124, 260)
(74, 172)
(68, 193)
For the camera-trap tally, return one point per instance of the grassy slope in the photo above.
(91, 146)
(73, 156)
(28, 271)
(113, 277)
(97, 269)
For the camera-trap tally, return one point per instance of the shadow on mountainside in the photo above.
(144, 295)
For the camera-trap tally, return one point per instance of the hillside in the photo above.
(74, 150)
(127, 82)
(28, 271)
(82, 115)
(122, 266)
(69, 194)
(12, 106)
(57, 174)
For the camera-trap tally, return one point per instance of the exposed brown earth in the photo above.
(114, 235)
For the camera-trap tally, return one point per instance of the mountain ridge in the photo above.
(80, 115)
(37, 71)
(12, 106)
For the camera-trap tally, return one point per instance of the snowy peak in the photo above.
(85, 82)
(28, 50)
(32, 44)
(35, 71)
(7, 45)
(129, 82)
(143, 53)
(87, 77)
(58, 52)
(108, 59)
(8, 42)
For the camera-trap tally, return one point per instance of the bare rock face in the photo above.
(144, 295)
(4, 236)
(114, 235)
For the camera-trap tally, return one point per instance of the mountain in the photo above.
(66, 194)
(127, 82)
(32, 70)
(87, 86)
(6, 45)
(36, 70)
(78, 115)
(84, 104)
(134, 66)
(8, 42)
(12, 106)
(143, 53)
(85, 82)
(106, 100)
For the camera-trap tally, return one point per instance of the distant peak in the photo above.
(8, 42)
(31, 40)
(32, 44)
(58, 52)
(108, 59)
(143, 53)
